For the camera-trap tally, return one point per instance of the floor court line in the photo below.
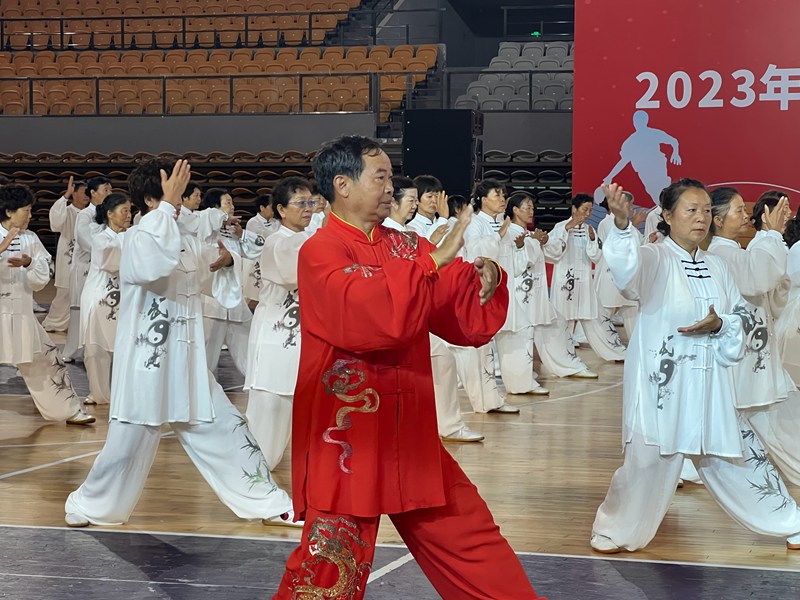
(139, 581)
(384, 545)
(392, 566)
(61, 462)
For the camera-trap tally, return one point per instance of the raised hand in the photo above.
(710, 324)
(519, 241)
(174, 185)
(439, 233)
(235, 225)
(225, 259)
(70, 188)
(12, 233)
(574, 221)
(592, 235)
(441, 205)
(504, 227)
(618, 205)
(447, 252)
(490, 277)
(639, 217)
(775, 219)
(20, 261)
(676, 158)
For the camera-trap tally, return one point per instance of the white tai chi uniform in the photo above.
(445, 374)
(160, 377)
(651, 225)
(515, 338)
(423, 226)
(787, 329)
(550, 336)
(765, 394)
(100, 304)
(62, 221)
(572, 289)
(85, 228)
(607, 293)
(261, 228)
(25, 343)
(678, 399)
(476, 365)
(273, 357)
(229, 326)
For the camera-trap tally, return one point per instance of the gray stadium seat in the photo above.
(565, 104)
(518, 104)
(544, 104)
(554, 89)
(467, 102)
(478, 89)
(492, 104)
(533, 50)
(548, 64)
(503, 90)
(524, 64)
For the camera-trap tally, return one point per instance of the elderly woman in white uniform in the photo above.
(766, 396)
(24, 269)
(678, 395)
(273, 356)
(100, 297)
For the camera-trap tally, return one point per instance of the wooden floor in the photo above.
(543, 473)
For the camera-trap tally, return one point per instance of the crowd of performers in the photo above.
(407, 294)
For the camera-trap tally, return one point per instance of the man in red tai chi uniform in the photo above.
(365, 440)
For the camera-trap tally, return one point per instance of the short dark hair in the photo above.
(721, 203)
(145, 181)
(515, 200)
(111, 202)
(426, 184)
(263, 200)
(771, 199)
(283, 191)
(579, 200)
(455, 203)
(94, 183)
(78, 184)
(792, 234)
(483, 188)
(671, 194)
(213, 198)
(190, 188)
(342, 156)
(400, 184)
(14, 196)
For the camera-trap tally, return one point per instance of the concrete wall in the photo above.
(201, 133)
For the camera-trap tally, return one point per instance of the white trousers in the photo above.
(630, 316)
(97, 361)
(778, 427)
(49, 383)
(555, 349)
(515, 354)
(57, 318)
(269, 417)
(749, 489)
(445, 387)
(223, 450)
(602, 336)
(475, 367)
(72, 345)
(234, 335)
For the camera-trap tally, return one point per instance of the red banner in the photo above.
(708, 89)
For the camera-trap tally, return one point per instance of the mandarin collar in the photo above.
(671, 244)
(349, 230)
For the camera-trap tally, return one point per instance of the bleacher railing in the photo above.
(544, 22)
(35, 91)
(163, 32)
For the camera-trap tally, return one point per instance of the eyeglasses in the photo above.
(303, 204)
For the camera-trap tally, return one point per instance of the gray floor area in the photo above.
(62, 564)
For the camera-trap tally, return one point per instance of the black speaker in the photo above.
(445, 144)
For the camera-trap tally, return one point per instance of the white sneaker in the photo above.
(76, 520)
(603, 544)
(38, 308)
(585, 374)
(505, 408)
(540, 390)
(283, 520)
(793, 542)
(81, 418)
(465, 434)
